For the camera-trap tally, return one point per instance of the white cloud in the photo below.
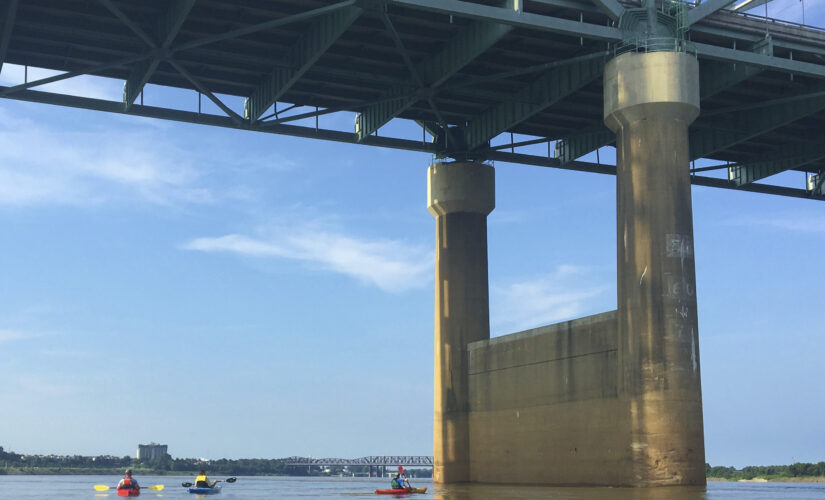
(391, 265)
(8, 335)
(39, 165)
(796, 222)
(12, 335)
(566, 293)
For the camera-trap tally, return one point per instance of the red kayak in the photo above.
(400, 491)
(128, 492)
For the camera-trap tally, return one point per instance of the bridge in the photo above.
(376, 465)
(686, 93)
(410, 461)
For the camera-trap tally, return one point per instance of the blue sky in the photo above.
(234, 294)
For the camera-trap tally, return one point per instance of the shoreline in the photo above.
(811, 479)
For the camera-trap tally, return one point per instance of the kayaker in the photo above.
(127, 483)
(202, 481)
(398, 483)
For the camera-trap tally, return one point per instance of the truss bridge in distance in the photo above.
(409, 461)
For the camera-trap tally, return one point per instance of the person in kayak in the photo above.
(400, 483)
(202, 481)
(127, 483)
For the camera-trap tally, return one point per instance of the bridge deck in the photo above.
(471, 67)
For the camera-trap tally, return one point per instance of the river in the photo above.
(256, 488)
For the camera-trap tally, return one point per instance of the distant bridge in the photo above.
(410, 461)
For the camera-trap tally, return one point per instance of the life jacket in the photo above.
(202, 482)
(395, 484)
(127, 484)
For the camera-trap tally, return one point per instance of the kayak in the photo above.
(206, 491)
(400, 491)
(128, 492)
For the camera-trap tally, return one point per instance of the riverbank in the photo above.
(771, 479)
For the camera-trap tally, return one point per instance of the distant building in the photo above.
(151, 450)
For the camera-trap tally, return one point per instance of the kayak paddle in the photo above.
(227, 480)
(103, 487)
(403, 473)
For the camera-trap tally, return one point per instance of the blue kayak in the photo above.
(206, 491)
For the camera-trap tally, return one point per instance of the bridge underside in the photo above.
(610, 400)
(467, 73)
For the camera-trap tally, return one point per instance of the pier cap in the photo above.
(460, 187)
(653, 84)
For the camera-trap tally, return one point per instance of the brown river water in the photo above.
(254, 488)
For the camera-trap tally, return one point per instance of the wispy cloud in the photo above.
(391, 265)
(39, 165)
(566, 293)
(797, 222)
(12, 335)
(40, 385)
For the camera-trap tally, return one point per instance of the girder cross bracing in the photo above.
(410, 461)
(462, 73)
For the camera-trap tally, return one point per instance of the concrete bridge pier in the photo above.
(650, 99)
(460, 196)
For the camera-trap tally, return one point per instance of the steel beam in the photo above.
(137, 30)
(309, 48)
(760, 60)
(611, 7)
(168, 27)
(514, 18)
(348, 137)
(732, 128)
(543, 92)
(461, 50)
(787, 157)
(816, 184)
(705, 9)
(274, 23)
(576, 146)
(8, 26)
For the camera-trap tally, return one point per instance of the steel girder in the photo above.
(9, 13)
(578, 145)
(611, 7)
(309, 48)
(709, 136)
(714, 77)
(543, 92)
(787, 157)
(816, 184)
(168, 27)
(605, 33)
(705, 9)
(760, 60)
(348, 137)
(460, 51)
(514, 18)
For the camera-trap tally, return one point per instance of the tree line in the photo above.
(799, 469)
(16, 463)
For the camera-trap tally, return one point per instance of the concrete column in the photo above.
(649, 101)
(460, 195)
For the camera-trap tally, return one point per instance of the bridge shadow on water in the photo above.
(497, 492)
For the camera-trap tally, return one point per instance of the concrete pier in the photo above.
(650, 100)
(460, 196)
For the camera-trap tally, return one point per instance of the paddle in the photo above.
(404, 475)
(227, 480)
(103, 487)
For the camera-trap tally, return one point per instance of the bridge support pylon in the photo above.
(460, 196)
(650, 99)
